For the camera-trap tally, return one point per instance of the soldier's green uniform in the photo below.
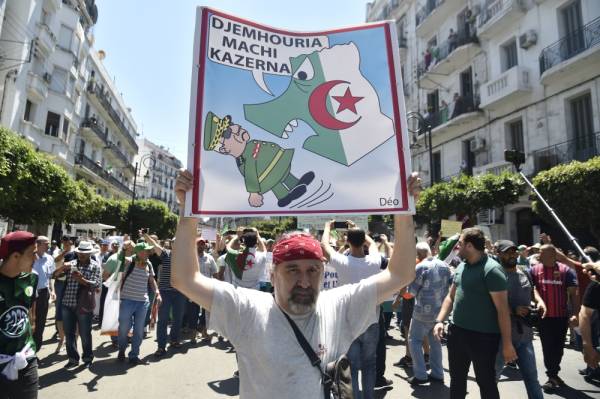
(17, 296)
(265, 165)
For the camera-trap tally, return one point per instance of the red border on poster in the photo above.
(199, 103)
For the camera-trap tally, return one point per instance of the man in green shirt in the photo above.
(480, 317)
(18, 363)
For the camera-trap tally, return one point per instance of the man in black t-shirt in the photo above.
(591, 303)
(18, 363)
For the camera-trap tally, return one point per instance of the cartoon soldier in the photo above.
(264, 165)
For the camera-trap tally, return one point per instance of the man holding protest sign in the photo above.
(272, 363)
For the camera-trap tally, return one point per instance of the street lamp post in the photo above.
(148, 161)
(423, 126)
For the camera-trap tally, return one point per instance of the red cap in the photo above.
(298, 246)
(200, 240)
(15, 241)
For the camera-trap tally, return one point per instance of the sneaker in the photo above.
(560, 381)
(550, 385)
(134, 361)
(121, 356)
(405, 362)
(383, 382)
(416, 381)
(593, 375)
(435, 379)
(87, 364)
(585, 371)
(175, 345)
(512, 365)
(71, 364)
(160, 352)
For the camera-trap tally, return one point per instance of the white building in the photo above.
(157, 171)
(56, 93)
(527, 76)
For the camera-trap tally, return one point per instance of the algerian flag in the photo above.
(448, 249)
(328, 92)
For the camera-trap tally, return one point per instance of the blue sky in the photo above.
(149, 48)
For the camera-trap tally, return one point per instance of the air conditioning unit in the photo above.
(47, 77)
(477, 144)
(528, 39)
(486, 217)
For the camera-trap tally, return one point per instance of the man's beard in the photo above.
(302, 300)
(508, 263)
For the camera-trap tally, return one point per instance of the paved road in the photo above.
(206, 371)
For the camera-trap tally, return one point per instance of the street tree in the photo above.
(572, 191)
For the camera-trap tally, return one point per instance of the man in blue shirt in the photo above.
(433, 278)
(43, 267)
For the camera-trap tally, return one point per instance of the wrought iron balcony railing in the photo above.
(579, 149)
(92, 124)
(97, 169)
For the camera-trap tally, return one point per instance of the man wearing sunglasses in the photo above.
(265, 165)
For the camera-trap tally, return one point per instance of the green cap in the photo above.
(213, 129)
(142, 246)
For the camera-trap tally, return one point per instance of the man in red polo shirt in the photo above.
(556, 283)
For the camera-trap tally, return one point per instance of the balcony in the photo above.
(37, 87)
(497, 16)
(507, 87)
(576, 55)
(495, 168)
(45, 40)
(102, 99)
(579, 149)
(447, 58)
(93, 131)
(449, 116)
(97, 170)
(432, 15)
(114, 150)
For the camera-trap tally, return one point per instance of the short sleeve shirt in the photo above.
(44, 267)
(430, 287)
(16, 299)
(351, 269)
(473, 306)
(135, 287)
(519, 294)
(271, 362)
(208, 266)
(552, 284)
(252, 268)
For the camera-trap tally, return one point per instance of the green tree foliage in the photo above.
(467, 195)
(34, 189)
(572, 190)
(272, 228)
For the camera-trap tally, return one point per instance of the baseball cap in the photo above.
(522, 247)
(142, 246)
(105, 242)
(14, 242)
(505, 245)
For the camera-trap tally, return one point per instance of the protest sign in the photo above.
(291, 123)
(450, 227)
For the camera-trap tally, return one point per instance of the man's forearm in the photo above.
(402, 262)
(575, 302)
(504, 324)
(585, 325)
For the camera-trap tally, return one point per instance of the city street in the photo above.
(206, 371)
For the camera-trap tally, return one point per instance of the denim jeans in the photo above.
(59, 289)
(418, 331)
(151, 297)
(466, 347)
(132, 313)
(25, 386)
(527, 366)
(172, 300)
(72, 319)
(363, 355)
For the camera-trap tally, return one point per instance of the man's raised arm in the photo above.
(185, 270)
(401, 267)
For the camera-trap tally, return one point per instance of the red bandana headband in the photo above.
(298, 246)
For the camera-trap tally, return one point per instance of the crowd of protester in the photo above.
(485, 301)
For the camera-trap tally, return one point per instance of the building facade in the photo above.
(490, 75)
(57, 94)
(157, 171)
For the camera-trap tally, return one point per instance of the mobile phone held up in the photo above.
(340, 225)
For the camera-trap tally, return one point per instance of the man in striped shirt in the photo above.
(134, 300)
(557, 284)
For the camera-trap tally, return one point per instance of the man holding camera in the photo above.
(520, 292)
(351, 269)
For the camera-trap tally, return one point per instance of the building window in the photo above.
(515, 138)
(65, 129)
(59, 80)
(52, 124)
(29, 111)
(582, 126)
(436, 175)
(65, 37)
(509, 55)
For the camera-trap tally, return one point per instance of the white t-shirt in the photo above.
(254, 268)
(208, 266)
(271, 362)
(351, 270)
(266, 277)
(330, 277)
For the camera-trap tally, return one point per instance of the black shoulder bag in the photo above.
(336, 379)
